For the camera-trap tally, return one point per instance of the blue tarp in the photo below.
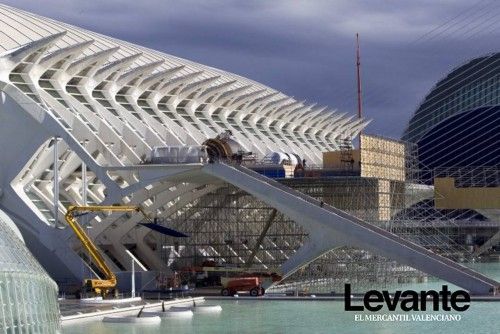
(164, 230)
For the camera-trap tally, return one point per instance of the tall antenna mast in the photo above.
(358, 69)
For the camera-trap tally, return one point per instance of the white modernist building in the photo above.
(80, 113)
(112, 102)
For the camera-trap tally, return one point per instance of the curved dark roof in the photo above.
(472, 85)
(465, 140)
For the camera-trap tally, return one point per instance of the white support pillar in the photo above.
(56, 181)
(133, 279)
(84, 186)
(134, 259)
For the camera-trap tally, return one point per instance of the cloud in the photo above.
(306, 48)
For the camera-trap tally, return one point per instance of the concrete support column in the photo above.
(56, 181)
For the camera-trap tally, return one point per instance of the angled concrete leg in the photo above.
(309, 252)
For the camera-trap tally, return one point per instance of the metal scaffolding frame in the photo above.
(231, 228)
(226, 226)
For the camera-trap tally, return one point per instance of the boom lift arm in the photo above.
(102, 286)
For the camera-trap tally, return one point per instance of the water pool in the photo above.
(254, 316)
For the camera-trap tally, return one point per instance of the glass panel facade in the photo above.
(28, 296)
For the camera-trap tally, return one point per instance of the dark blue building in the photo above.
(458, 123)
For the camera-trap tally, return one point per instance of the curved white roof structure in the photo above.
(109, 103)
(151, 98)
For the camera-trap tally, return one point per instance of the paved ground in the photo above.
(73, 306)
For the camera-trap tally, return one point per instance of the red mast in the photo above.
(358, 68)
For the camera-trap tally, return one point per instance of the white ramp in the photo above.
(329, 228)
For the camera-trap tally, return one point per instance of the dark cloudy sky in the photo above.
(306, 48)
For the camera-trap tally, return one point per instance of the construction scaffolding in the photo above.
(226, 227)
(232, 229)
(346, 156)
(455, 231)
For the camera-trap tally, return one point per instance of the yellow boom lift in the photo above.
(99, 286)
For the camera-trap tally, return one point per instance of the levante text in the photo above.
(409, 300)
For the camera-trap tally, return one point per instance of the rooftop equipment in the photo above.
(179, 154)
(225, 147)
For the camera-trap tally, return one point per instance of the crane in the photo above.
(99, 286)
